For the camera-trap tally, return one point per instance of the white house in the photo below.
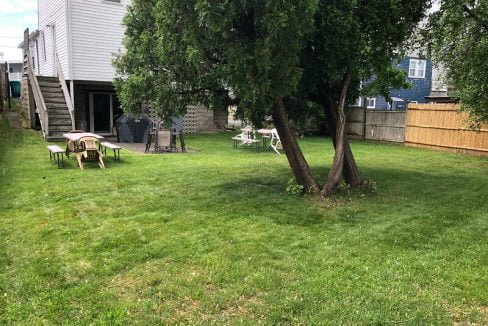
(14, 69)
(77, 41)
(85, 35)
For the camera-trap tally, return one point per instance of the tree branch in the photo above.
(473, 15)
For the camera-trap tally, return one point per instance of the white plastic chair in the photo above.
(275, 142)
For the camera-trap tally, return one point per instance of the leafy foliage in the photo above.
(363, 37)
(293, 188)
(457, 36)
(263, 54)
(180, 53)
(196, 50)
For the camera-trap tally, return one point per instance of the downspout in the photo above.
(69, 40)
(72, 92)
(69, 49)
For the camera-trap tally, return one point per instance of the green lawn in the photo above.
(211, 237)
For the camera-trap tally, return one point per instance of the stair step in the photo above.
(55, 121)
(50, 88)
(59, 115)
(47, 78)
(43, 84)
(62, 118)
(52, 93)
(56, 106)
(56, 94)
(60, 128)
(54, 100)
(58, 111)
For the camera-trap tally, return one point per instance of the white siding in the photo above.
(96, 34)
(438, 76)
(52, 13)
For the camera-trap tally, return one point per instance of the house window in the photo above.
(117, 1)
(417, 68)
(371, 102)
(11, 70)
(358, 102)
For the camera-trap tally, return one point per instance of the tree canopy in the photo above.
(271, 56)
(187, 52)
(457, 36)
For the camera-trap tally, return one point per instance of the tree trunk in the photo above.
(298, 164)
(350, 171)
(335, 172)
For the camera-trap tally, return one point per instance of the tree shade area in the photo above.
(211, 237)
(272, 58)
(457, 38)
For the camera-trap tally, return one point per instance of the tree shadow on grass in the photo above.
(410, 209)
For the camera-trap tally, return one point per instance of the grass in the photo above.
(211, 237)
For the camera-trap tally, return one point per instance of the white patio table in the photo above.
(265, 135)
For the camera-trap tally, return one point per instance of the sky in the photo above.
(15, 17)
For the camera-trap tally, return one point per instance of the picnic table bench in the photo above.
(115, 148)
(57, 153)
(246, 137)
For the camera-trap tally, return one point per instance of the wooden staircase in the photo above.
(59, 119)
(52, 99)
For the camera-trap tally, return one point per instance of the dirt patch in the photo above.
(241, 307)
(474, 315)
(154, 283)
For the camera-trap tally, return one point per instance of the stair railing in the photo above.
(38, 98)
(66, 94)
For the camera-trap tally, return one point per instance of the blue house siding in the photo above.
(421, 88)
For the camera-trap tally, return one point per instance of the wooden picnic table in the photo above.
(73, 138)
(73, 146)
(77, 136)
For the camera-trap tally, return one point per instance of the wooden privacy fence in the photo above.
(376, 124)
(442, 126)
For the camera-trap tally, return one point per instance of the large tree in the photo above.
(264, 53)
(354, 41)
(205, 49)
(457, 36)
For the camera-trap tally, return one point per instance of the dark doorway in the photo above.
(101, 112)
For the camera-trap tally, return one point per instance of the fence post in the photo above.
(7, 85)
(365, 107)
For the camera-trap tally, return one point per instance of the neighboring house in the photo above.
(425, 77)
(11, 70)
(85, 35)
(419, 75)
(14, 69)
(440, 91)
